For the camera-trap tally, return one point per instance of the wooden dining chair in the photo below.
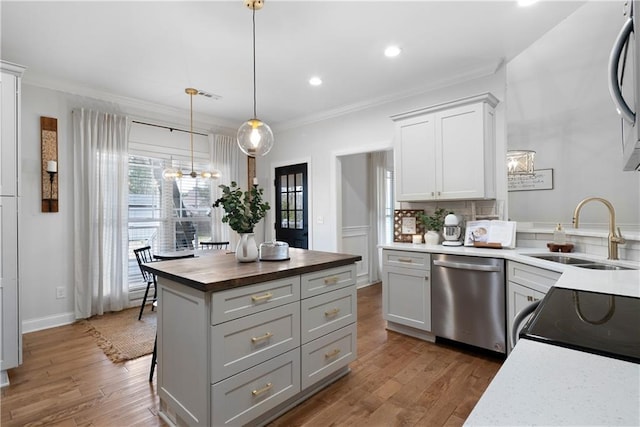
(214, 245)
(143, 255)
(154, 358)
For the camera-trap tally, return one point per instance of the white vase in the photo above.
(432, 237)
(247, 249)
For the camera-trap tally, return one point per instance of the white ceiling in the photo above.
(150, 51)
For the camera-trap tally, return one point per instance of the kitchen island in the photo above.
(241, 343)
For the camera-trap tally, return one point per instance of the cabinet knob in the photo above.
(529, 298)
(433, 194)
(439, 193)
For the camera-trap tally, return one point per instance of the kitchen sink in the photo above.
(596, 266)
(579, 262)
(563, 259)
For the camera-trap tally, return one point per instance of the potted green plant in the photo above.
(433, 224)
(242, 211)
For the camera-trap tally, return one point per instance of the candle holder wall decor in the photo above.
(49, 163)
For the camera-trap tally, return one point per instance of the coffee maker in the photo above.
(451, 231)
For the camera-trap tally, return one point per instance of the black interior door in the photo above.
(292, 223)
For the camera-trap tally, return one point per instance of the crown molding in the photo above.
(141, 109)
(483, 71)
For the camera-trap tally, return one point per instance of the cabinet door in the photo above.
(406, 297)
(9, 146)
(519, 297)
(414, 156)
(10, 350)
(460, 153)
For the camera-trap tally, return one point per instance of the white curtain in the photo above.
(226, 157)
(377, 169)
(100, 190)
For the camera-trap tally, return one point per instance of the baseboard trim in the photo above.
(61, 319)
(412, 332)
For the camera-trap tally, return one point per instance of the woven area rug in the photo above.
(121, 335)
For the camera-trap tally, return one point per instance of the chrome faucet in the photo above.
(614, 239)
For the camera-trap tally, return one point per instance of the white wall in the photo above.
(559, 105)
(364, 131)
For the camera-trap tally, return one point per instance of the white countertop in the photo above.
(542, 384)
(519, 255)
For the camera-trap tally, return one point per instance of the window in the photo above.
(388, 206)
(166, 215)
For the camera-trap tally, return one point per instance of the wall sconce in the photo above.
(49, 163)
(520, 162)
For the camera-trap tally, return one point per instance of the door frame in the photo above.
(336, 175)
(270, 231)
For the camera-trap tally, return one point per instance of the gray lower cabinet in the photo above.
(406, 292)
(245, 355)
(526, 284)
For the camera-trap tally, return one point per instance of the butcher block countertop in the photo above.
(213, 271)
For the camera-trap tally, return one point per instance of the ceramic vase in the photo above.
(432, 237)
(247, 249)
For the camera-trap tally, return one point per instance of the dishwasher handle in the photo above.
(466, 266)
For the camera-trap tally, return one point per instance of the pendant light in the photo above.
(174, 173)
(255, 136)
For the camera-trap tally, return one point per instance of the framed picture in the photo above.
(405, 225)
(542, 179)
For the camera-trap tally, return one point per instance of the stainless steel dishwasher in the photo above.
(468, 300)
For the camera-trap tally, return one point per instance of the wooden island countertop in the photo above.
(215, 271)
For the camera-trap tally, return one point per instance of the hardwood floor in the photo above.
(66, 381)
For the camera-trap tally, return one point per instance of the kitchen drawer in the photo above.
(536, 278)
(408, 259)
(327, 280)
(327, 354)
(327, 312)
(250, 340)
(237, 302)
(243, 397)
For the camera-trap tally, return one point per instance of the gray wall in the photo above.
(355, 190)
(558, 104)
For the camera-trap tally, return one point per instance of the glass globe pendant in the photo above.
(255, 137)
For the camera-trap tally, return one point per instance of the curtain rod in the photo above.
(168, 127)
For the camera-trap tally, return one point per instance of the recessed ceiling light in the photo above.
(525, 3)
(315, 81)
(392, 51)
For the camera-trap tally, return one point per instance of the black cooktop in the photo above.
(604, 324)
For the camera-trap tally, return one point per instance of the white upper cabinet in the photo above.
(446, 152)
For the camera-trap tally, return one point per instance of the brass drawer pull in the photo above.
(405, 260)
(264, 389)
(331, 313)
(331, 280)
(256, 298)
(261, 338)
(332, 353)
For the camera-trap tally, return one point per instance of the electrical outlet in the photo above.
(60, 292)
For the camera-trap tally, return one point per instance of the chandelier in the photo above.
(175, 173)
